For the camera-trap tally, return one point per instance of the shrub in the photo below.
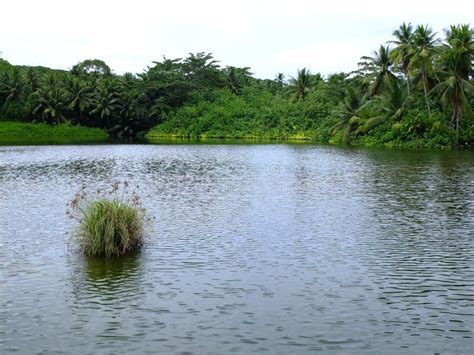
(109, 225)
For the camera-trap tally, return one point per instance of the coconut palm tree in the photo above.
(11, 85)
(301, 85)
(51, 104)
(50, 81)
(392, 103)
(32, 80)
(401, 54)
(462, 38)
(378, 69)
(236, 78)
(79, 95)
(454, 90)
(421, 50)
(355, 115)
(106, 102)
(279, 80)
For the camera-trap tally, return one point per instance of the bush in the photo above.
(256, 113)
(109, 226)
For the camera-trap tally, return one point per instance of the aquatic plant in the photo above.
(113, 223)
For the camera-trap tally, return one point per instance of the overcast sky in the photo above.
(269, 36)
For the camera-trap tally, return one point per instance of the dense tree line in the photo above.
(415, 90)
(90, 94)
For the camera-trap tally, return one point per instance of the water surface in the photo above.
(255, 248)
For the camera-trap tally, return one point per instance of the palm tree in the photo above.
(301, 85)
(32, 79)
(106, 102)
(454, 91)
(279, 80)
(11, 85)
(236, 78)
(462, 38)
(421, 51)
(79, 95)
(355, 115)
(232, 82)
(401, 54)
(393, 101)
(378, 69)
(51, 104)
(50, 81)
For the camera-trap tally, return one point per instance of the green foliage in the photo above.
(34, 133)
(256, 113)
(301, 84)
(109, 226)
(416, 130)
(421, 50)
(236, 78)
(93, 67)
(51, 104)
(461, 39)
(377, 70)
(401, 54)
(354, 116)
(392, 99)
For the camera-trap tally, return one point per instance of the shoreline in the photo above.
(22, 133)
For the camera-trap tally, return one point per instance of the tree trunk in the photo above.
(457, 112)
(425, 91)
(457, 130)
(407, 76)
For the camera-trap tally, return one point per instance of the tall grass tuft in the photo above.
(113, 224)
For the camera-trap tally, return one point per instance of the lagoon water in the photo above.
(255, 248)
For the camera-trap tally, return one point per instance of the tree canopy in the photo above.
(415, 90)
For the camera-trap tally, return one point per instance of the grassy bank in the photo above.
(157, 134)
(41, 133)
(372, 141)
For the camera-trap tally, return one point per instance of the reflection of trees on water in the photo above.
(421, 191)
(455, 190)
(418, 249)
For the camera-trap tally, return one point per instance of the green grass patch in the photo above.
(42, 133)
(111, 228)
(110, 225)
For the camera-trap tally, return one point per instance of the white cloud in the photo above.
(269, 36)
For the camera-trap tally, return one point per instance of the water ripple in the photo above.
(275, 248)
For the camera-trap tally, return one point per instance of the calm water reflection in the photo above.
(278, 248)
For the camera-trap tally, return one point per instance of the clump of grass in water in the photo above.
(112, 224)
